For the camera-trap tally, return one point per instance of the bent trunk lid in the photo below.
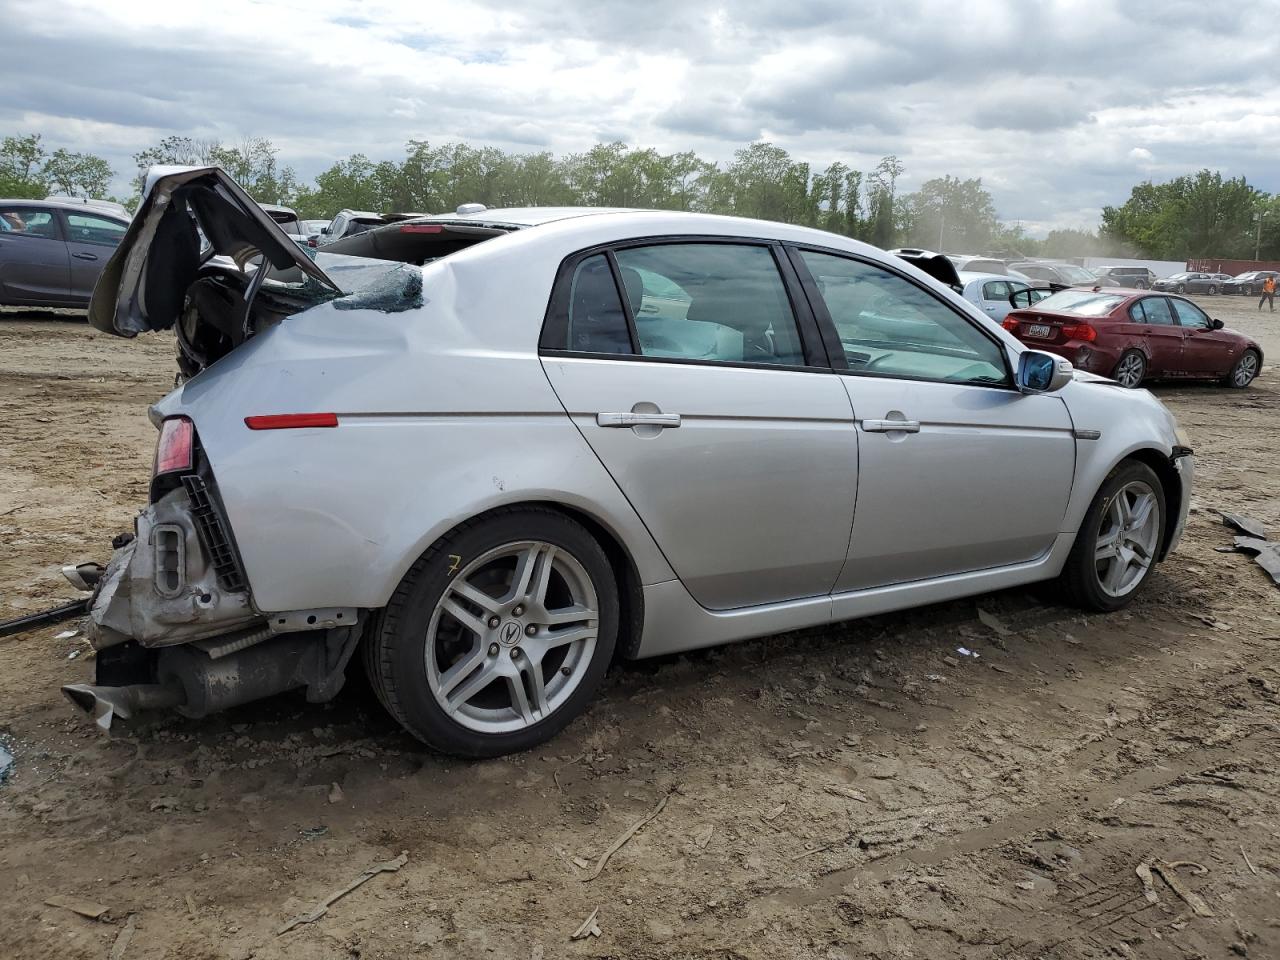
(143, 284)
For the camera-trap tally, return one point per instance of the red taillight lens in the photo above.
(175, 450)
(291, 421)
(1010, 324)
(1080, 331)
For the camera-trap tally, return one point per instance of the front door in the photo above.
(1205, 351)
(958, 471)
(91, 239)
(33, 257)
(712, 414)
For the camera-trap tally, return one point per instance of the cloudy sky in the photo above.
(1060, 107)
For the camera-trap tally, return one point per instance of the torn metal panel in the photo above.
(1246, 525)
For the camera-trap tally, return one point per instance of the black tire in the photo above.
(1142, 285)
(1212, 290)
(1181, 288)
(1079, 581)
(1236, 370)
(1126, 359)
(395, 646)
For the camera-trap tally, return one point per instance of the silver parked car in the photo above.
(991, 292)
(487, 453)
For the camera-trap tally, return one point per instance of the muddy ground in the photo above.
(866, 791)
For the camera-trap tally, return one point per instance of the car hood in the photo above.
(187, 216)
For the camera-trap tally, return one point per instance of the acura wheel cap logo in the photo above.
(510, 632)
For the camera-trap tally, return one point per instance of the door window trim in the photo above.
(827, 325)
(553, 338)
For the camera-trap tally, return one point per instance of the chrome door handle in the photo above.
(890, 426)
(85, 256)
(637, 419)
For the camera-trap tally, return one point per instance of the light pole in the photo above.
(1257, 239)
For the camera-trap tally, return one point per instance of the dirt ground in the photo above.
(866, 791)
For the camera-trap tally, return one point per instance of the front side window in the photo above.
(1189, 315)
(721, 302)
(890, 327)
(86, 228)
(29, 222)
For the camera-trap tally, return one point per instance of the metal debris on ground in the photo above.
(1143, 870)
(33, 621)
(1247, 862)
(773, 814)
(848, 793)
(1266, 554)
(123, 937)
(391, 866)
(335, 793)
(627, 835)
(966, 652)
(993, 623)
(1169, 873)
(589, 927)
(6, 764)
(86, 908)
(1252, 527)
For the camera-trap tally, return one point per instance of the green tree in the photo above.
(948, 213)
(21, 162)
(77, 174)
(1200, 215)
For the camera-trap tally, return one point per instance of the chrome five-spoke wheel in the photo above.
(512, 637)
(499, 635)
(1127, 539)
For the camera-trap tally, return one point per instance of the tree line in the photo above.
(1191, 216)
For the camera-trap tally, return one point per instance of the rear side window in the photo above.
(16, 221)
(710, 301)
(597, 323)
(1152, 310)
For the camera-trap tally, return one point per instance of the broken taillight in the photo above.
(1010, 324)
(175, 450)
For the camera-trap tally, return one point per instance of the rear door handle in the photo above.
(85, 256)
(638, 419)
(890, 426)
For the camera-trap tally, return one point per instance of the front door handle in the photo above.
(890, 426)
(637, 419)
(85, 256)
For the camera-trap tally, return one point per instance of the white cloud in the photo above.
(1059, 107)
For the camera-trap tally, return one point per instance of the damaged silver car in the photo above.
(485, 453)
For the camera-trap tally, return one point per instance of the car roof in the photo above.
(76, 205)
(969, 276)
(531, 216)
(361, 213)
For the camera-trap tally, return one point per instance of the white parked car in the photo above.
(572, 435)
(990, 292)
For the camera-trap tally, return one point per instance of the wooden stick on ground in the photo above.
(631, 832)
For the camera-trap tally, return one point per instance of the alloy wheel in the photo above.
(1126, 545)
(1130, 371)
(512, 637)
(1246, 369)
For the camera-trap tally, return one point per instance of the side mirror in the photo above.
(1216, 324)
(1040, 372)
(1020, 298)
(325, 231)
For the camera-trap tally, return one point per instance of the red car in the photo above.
(1135, 335)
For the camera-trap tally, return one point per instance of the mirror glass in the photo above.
(1035, 370)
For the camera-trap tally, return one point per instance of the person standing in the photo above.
(1268, 294)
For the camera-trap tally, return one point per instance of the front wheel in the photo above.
(1131, 370)
(498, 636)
(1244, 370)
(1117, 545)
(1212, 289)
(1181, 288)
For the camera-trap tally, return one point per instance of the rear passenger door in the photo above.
(958, 470)
(33, 257)
(1153, 321)
(91, 239)
(698, 379)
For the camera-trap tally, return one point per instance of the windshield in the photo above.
(1075, 274)
(1081, 303)
(1247, 276)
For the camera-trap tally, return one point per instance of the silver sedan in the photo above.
(487, 453)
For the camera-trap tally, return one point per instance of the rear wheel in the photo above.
(1212, 289)
(1116, 547)
(1244, 370)
(498, 636)
(1131, 370)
